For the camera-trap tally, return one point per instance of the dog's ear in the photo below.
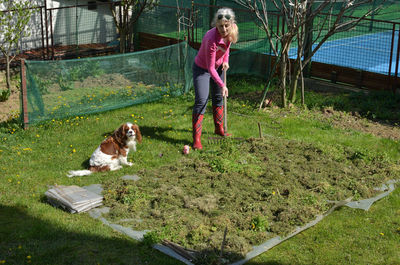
(119, 135)
(138, 133)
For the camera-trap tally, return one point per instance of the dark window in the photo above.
(92, 5)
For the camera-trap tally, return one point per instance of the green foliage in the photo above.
(78, 72)
(42, 84)
(13, 24)
(259, 223)
(4, 95)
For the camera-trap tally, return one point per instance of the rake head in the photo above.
(217, 140)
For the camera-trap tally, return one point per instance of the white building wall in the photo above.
(70, 26)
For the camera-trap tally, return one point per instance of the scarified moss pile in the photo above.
(254, 189)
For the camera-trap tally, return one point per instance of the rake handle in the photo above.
(225, 107)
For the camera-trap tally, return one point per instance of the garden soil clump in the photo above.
(255, 190)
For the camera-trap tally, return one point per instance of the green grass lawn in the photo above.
(32, 231)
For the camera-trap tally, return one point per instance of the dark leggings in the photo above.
(201, 82)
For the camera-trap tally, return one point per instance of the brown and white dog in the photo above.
(112, 153)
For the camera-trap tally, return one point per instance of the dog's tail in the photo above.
(79, 173)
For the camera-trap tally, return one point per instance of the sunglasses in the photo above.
(226, 16)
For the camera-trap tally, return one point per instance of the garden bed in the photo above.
(255, 190)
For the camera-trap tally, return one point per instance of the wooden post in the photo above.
(24, 96)
(260, 131)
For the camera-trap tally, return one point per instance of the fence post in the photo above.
(24, 96)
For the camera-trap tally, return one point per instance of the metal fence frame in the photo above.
(49, 50)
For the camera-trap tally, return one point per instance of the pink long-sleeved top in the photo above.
(212, 53)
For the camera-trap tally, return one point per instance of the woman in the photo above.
(209, 64)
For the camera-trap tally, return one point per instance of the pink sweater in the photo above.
(212, 53)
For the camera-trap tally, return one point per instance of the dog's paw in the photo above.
(129, 164)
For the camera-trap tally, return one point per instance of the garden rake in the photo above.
(225, 107)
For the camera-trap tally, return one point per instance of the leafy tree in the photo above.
(13, 27)
(126, 13)
(301, 26)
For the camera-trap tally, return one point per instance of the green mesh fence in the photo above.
(59, 89)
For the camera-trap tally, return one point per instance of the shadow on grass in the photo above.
(378, 106)
(27, 239)
(160, 133)
(272, 262)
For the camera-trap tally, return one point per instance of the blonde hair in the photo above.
(227, 15)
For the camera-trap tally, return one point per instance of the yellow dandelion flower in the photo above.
(27, 149)
(18, 182)
(382, 234)
(37, 135)
(19, 247)
(28, 257)
(273, 193)
(2, 261)
(9, 180)
(73, 150)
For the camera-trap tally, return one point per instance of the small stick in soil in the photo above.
(223, 243)
(260, 131)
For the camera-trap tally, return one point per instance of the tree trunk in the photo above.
(122, 40)
(293, 84)
(8, 82)
(283, 75)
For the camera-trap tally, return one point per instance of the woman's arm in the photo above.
(210, 61)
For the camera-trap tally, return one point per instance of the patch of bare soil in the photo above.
(106, 80)
(354, 121)
(10, 108)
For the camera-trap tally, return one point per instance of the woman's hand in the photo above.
(224, 91)
(225, 66)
